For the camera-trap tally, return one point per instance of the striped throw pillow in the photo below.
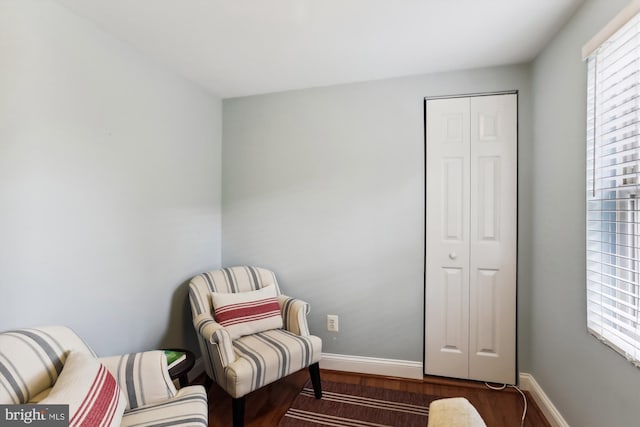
(246, 313)
(93, 396)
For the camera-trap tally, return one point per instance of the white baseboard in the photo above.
(372, 365)
(551, 413)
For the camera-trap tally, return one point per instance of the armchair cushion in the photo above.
(246, 313)
(143, 377)
(268, 356)
(90, 390)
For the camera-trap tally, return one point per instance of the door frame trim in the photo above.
(468, 95)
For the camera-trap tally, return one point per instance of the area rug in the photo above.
(351, 405)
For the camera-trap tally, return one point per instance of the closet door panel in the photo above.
(486, 339)
(493, 228)
(447, 228)
(453, 316)
(488, 210)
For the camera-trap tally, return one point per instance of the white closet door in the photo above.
(447, 264)
(470, 302)
(492, 281)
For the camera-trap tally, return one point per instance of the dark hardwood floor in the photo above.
(265, 407)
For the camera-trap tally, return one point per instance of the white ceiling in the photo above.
(244, 47)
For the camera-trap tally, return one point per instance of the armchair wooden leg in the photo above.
(238, 411)
(314, 372)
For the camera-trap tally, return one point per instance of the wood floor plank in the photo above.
(265, 407)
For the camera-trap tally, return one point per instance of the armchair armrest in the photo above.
(214, 333)
(187, 407)
(294, 315)
(142, 377)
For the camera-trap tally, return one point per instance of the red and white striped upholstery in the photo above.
(92, 393)
(247, 363)
(31, 360)
(246, 313)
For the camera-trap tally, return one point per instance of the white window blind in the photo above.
(613, 191)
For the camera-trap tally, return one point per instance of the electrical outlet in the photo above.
(332, 322)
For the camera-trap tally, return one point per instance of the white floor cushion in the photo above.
(454, 412)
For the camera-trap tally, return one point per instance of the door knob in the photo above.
(453, 255)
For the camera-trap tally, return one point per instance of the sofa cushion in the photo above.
(246, 313)
(90, 390)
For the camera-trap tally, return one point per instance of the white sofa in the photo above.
(53, 365)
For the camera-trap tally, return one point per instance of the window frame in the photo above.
(613, 187)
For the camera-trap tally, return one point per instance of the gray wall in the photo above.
(110, 200)
(109, 183)
(589, 383)
(326, 187)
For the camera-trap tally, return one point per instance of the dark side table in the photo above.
(181, 370)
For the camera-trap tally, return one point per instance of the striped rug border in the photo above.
(370, 402)
(301, 411)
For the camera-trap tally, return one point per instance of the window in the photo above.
(613, 191)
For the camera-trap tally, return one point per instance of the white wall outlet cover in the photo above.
(332, 323)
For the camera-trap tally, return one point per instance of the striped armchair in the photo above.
(246, 363)
(53, 365)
